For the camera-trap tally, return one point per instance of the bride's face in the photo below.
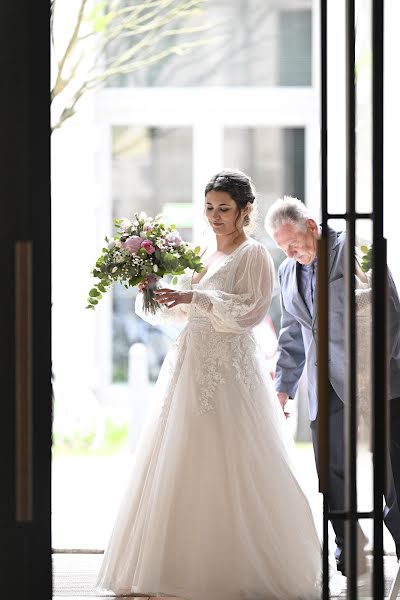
(223, 213)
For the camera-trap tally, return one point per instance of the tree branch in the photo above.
(59, 84)
(146, 23)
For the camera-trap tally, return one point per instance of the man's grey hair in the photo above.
(286, 210)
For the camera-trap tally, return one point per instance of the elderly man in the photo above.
(295, 231)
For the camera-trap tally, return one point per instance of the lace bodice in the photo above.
(228, 302)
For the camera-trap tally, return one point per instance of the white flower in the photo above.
(125, 224)
(118, 243)
(155, 268)
(111, 243)
(114, 269)
(143, 234)
(118, 257)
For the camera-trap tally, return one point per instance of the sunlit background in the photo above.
(227, 83)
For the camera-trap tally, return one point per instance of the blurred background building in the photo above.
(149, 141)
(240, 89)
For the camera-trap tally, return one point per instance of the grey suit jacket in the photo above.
(297, 343)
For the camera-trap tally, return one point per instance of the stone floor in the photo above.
(74, 576)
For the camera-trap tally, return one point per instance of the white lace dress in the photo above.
(213, 509)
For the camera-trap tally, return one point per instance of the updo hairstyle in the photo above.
(239, 187)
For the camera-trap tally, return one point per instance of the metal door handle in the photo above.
(23, 382)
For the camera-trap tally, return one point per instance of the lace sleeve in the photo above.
(177, 314)
(249, 302)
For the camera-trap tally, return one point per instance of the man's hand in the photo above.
(172, 298)
(283, 398)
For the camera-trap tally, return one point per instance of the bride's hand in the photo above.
(172, 298)
(143, 285)
(283, 398)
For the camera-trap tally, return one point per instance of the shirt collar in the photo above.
(307, 267)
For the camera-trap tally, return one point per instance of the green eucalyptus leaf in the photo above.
(135, 280)
(94, 293)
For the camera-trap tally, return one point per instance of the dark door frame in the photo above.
(25, 301)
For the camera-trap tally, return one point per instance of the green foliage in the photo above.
(80, 443)
(142, 251)
(367, 258)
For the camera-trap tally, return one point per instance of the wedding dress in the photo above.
(214, 509)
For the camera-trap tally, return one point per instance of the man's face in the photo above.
(297, 242)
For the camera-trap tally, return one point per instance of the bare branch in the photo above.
(145, 24)
(130, 67)
(60, 84)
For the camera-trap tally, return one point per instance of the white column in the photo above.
(336, 107)
(73, 229)
(392, 134)
(103, 225)
(208, 148)
(312, 165)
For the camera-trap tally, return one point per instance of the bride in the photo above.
(213, 509)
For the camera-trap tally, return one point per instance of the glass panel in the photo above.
(247, 43)
(151, 171)
(364, 366)
(363, 75)
(295, 39)
(274, 158)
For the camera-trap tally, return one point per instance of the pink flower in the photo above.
(148, 246)
(147, 227)
(133, 243)
(174, 240)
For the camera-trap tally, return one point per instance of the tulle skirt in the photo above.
(213, 509)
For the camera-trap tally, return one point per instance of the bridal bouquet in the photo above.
(141, 252)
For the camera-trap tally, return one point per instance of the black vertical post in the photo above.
(323, 311)
(379, 297)
(350, 388)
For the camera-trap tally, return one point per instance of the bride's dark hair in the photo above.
(239, 187)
